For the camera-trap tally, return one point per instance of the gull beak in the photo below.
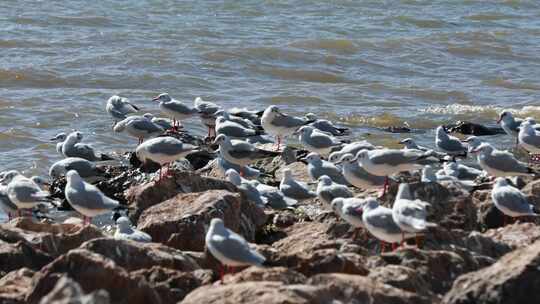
(303, 160)
(466, 140)
(155, 98)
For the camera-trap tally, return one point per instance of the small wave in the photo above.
(301, 75)
(488, 110)
(512, 85)
(337, 45)
(293, 100)
(382, 120)
(491, 17)
(83, 21)
(421, 23)
(30, 78)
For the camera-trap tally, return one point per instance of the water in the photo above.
(366, 64)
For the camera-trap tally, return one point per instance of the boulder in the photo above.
(15, 285)
(266, 274)
(532, 191)
(52, 238)
(132, 255)
(401, 277)
(67, 291)
(93, 272)
(181, 222)
(515, 235)
(141, 197)
(488, 215)
(20, 254)
(514, 279)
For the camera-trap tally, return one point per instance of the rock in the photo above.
(174, 285)
(483, 244)
(141, 197)
(52, 238)
(326, 288)
(532, 191)
(93, 272)
(132, 255)
(438, 268)
(514, 279)
(470, 128)
(401, 277)
(15, 285)
(67, 291)
(516, 235)
(18, 255)
(488, 215)
(181, 221)
(268, 274)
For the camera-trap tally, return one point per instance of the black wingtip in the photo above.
(106, 157)
(135, 107)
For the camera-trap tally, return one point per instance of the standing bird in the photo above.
(223, 165)
(87, 199)
(84, 167)
(460, 171)
(177, 110)
(140, 127)
(164, 151)
(509, 124)
(449, 144)
(207, 112)
(318, 167)
(510, 201)
(6, 204)
(59, 138)
(72, 147)
(352, 148)
(240, 152)
(378, 221)
(23, 192)
(409, 143)
(327, 190)
(357, 176)
(499, 163)
(529, 139)
(164, 123)
(280, 125)
(229, 248)
(326, 125)
(316, 141)
(233, 129)
(249, 189)
(349, 209)
(410, 215)
(119, 108)
(294, 189)
(125, 231)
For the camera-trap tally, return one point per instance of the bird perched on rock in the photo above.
(326, 125)
(233, 129)
(229, 248)
(85, 168)
(279, 124)
(315, 140)
(499, 163)
(207, 113)
(529, 139)
(294, 189)
(59, 139)
(125, 231)
(164, 123)
(358, 176)
(120, 107)
(428, 175)
(349, 209)
(240, 152)
(23, 192)
(510, 201)
(72, 147)
(352, 148)
(327, 190)
(177, 110)
(449, 144)
(249, 189)
(140, 127)
(318, 167)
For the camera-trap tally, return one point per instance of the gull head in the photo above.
(505, 116)
(472, 142)
(73, 176)
(116, 100)
(370, 204)
(148, 116)
(217, 224)
(312, 157)
(311, 116)
(325, 180)
(220, 139)
(362, 156)
(526, 124)
(222, 113)
(304, 131)
(123, 223)
(220, 120)
(409, 143)
(483, 148)
(163, 97)
(41, 181)
(59, 137)
(500, 182)
(334, 157)
(347, 158)
(337, 204)
(441, 131)
(8, 176)
(233, 177)
(287, 173)
(531, 120)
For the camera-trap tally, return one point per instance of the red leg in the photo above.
(355, 234)
(385, 187)
(417, 240)
(221, 272)
(394, 246)
(278, 142)
(383, 245)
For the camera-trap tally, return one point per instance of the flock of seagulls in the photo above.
(335, 165)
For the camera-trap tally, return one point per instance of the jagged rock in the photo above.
(515, 235)
(67, 291)
(488, 215)
(401, 277)
(15, 285)
(181, 221)
(52, 238)
(483, 244)
(93, 272)
(132, 255)
(532, 191)
(268, 274)
(326, 288)
(20, 254)
(141, 197)
(438, 268)
(514, 279)
(174, 285)
(470, 128)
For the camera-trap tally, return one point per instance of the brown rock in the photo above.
(401, 277)
(174, 285)
(15, 285)
(52, 238)
(19, 255)
(67, 291)
(180, 222)
(516, 235)
(132, 255)
(488, 215)
(532, 191)
(143, 196)
(93, 272)
(268, 274)
(514, 279)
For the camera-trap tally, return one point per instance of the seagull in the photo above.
(87, 199)
(139, 127)
(315, 140)
(473, 142)
(385, 162)
(499, 163)
(72, 147)
(449, 144)
(207, 112)
(119, 108)
(223, 165)
(357, 176)
(229, 248)
(379, 222)
(177, 110)
(428, 175)
(84, 167)
(246, 123)
(233, 129)
(294, 189)
(529, 139)
(348, 209)
(326, 125)
(6, 204)
(460, 171)
(274, 197)
(318, 167)
(164, 123)
(409, 143)
(279, 124)
(410, 215)
(327, 190)
(163, 150)
(22, 191)
(248, 189)
(59, 138)
(352, 148)
(240, 152)
(510, 201)
(125, 231)
(253, 116)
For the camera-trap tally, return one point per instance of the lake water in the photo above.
(366, 64)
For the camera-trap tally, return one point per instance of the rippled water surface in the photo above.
(365, 63)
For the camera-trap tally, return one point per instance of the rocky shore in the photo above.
(471, 257)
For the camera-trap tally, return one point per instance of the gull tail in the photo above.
(342, 131)
(105, 157)
(265, 153)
